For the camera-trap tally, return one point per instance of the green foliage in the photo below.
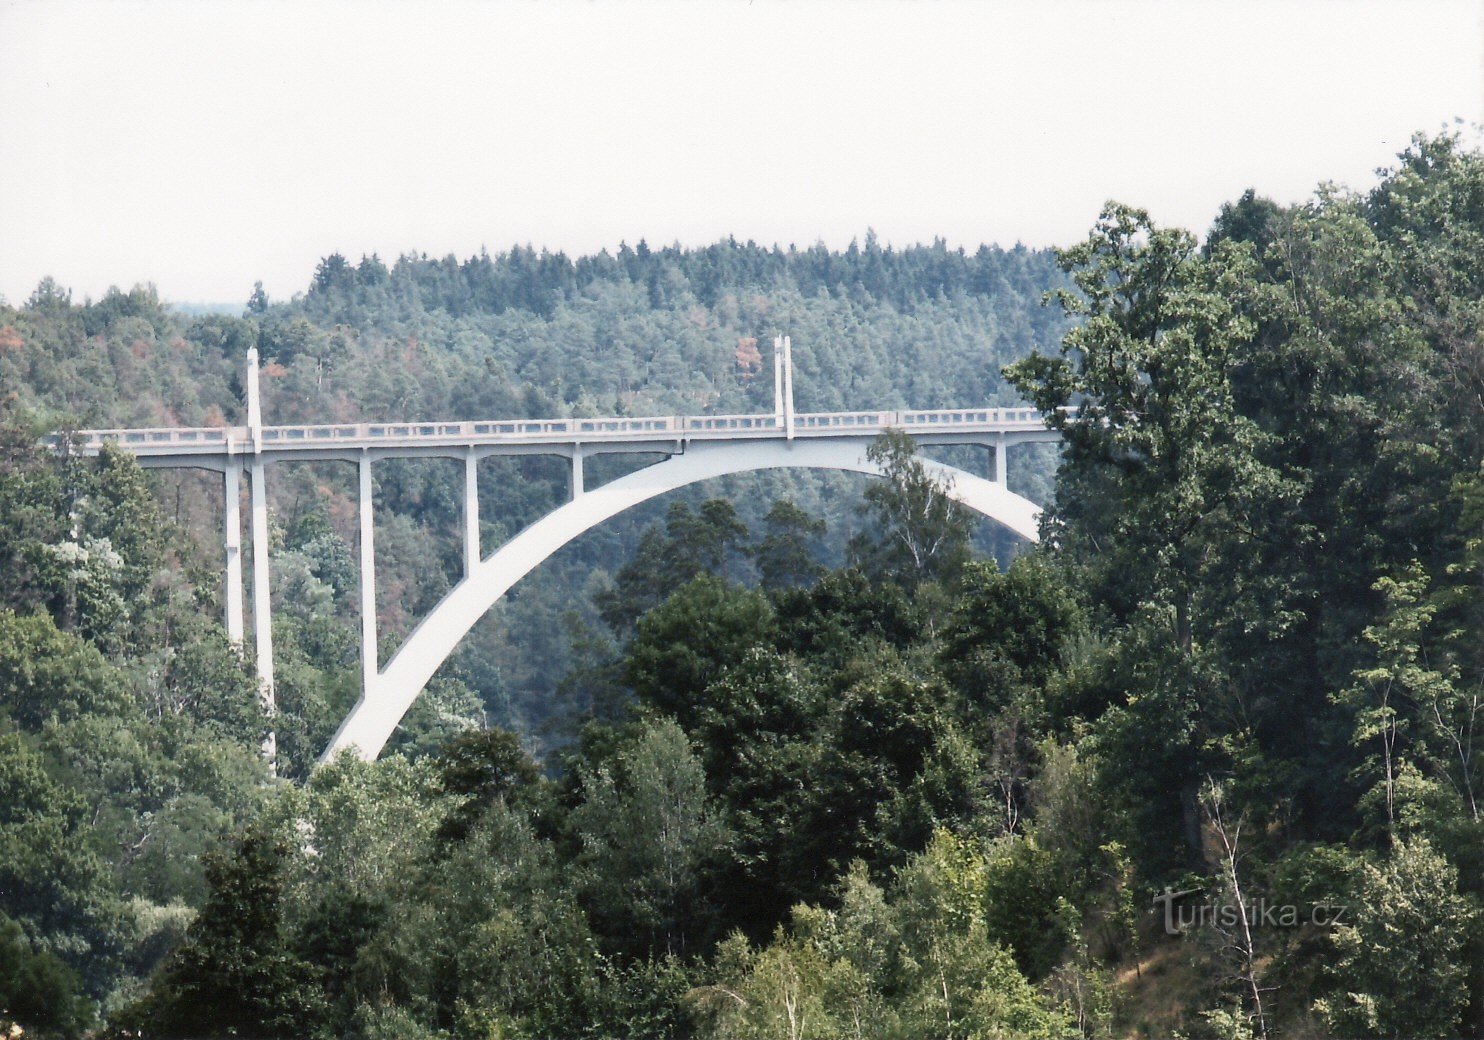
(844, 613)
(52, 676)
(478, 771)
(643, 827)
(208, 681)
(370, 820)
(235, 975)
(37, 991)
(1008, 629)
(761, 701)
(51, 882)
(445, 710)
(757, 738)
(1142, 395)
(1157, 723)
(1398, 968)
(488, 938)
(895, 767)
(85, 542)
(1027, 895)
(786, 555)
(686, 643)
(918, 533)
(914, 960)
(693, 545)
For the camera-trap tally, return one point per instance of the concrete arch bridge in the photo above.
(695, 448)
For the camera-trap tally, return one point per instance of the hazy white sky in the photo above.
(205, 145)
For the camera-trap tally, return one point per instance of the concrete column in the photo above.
(370, 665)
(232, 540)
(262, 609)
(472, 553)
(788, 387)
(574, 484)
(254, 401)
(1001, 461)
(778, 380)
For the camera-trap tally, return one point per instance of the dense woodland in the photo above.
(783, 756)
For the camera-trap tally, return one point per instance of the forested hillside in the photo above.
(793, 757)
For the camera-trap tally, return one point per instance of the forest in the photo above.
(783, 755)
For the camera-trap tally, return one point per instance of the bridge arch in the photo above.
(381, 707)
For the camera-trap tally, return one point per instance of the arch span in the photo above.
(376, 715)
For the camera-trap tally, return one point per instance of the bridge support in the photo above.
(262, 608)
(369, 659)
(232, 540)
(788, 386)
(262, 592)
(472, 552)
(574, 478)
(778, 380)
(1001, 461)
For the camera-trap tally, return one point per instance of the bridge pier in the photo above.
(262, 593)
(369, 660)
(232, 540)
(786, 350)
(1000, 461)
(574, 477)
(472, 552)
(778, 381)
(262, 596)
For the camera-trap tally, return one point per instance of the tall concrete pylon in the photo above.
(788, 387)
(262, 595)
(778, 380)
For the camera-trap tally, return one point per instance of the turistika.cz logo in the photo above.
(1181, 913)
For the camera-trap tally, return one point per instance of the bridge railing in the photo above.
(658, 424)
(538, 429)
(845, 420)
(601, 428)
(726, 423)
(404, 430)
(968, 416)
(294, 434)
(204, 436)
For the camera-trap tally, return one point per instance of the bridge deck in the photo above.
(527, 432)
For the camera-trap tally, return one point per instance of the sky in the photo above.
(205, 145)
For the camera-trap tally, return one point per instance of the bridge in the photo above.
(695, 448)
